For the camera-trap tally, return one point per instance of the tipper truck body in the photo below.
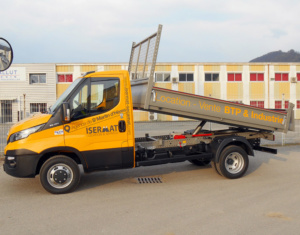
(92, 124)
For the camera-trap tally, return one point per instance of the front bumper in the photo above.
(23, 166)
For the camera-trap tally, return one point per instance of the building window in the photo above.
(6, 111)
(259, 104)
(36, 78)
(186, 77)
(234, 77)
(281, 77)
(298, 104)
(256, 77)
(38, 107)
(278, 104)
(65, 78)
(211, 77)
(162, 77)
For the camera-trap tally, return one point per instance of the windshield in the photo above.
(64, 95)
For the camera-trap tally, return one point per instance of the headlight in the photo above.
(25, 133)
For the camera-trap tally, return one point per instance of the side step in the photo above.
(174, 159)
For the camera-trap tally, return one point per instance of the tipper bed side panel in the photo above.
(146, 97)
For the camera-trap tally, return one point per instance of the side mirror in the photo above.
(6, 54)
(66, 116)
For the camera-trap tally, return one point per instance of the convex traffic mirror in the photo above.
(6, 54)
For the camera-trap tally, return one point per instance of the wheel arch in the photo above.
(219, 144)
(67, 151)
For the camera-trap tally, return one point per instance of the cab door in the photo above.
(98, 124)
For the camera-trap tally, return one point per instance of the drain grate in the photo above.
(148, 180)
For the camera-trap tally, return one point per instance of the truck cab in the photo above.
(90, 124)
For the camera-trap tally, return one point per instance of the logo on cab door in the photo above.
(102, 130)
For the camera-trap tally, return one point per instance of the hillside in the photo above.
(279, 56)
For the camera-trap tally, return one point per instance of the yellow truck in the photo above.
(92, 125)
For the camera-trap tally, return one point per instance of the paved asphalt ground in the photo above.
(191, 200)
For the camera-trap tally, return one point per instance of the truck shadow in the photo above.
(127, 176)
(264, 158)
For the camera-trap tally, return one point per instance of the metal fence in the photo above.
(6, 120)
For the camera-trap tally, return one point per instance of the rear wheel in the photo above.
(60, 174)
(233, 162)
(214, 166)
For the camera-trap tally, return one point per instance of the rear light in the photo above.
(199, 135)
(179, 137)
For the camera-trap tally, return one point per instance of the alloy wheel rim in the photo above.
(234, 162)
(60, 176)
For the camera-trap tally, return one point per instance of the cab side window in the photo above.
(79, 103)
(105, 95)
(95, 96)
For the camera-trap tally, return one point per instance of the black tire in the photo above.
(199, 162)
(60, 174)
(233, 162)
(214, 166)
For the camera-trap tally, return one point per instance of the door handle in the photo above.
(122, 126)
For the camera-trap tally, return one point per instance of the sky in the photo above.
(91, 31)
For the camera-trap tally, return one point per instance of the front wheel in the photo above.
(233, 162)
(60, 174)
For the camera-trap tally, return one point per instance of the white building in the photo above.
(26, 89)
